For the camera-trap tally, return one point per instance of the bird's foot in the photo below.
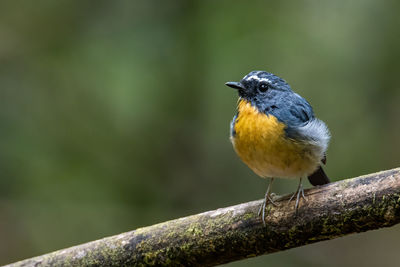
(299, 193)
(267, 199)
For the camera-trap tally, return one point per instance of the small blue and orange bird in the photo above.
(276, 134)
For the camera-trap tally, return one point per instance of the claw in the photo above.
(271, 200)
(299, 193)
(267, 199)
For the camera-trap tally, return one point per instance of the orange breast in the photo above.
(261, 143)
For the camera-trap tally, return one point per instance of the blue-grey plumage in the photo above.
(275, 131)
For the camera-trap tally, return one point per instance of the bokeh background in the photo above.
(114, 114)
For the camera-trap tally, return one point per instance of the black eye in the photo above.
(263, 87)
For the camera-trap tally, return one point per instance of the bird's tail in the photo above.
(319, 177)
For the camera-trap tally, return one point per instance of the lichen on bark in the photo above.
(233, 233)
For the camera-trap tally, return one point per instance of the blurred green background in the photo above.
(114, 114)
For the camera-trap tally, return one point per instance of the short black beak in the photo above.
(235, 85)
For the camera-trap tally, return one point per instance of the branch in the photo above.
(228, 234)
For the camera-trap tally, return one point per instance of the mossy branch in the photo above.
(228, 234)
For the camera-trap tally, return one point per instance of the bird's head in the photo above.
(260, 86)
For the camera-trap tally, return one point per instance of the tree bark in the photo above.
(228, 234)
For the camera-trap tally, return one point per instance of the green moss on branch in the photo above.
(233, 233)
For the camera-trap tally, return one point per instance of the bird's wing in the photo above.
(295, 112)
(309, 127)
(300, 110)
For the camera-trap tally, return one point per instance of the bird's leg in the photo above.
(300, 193)
(267, 199)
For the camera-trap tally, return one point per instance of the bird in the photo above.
(276, 134)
